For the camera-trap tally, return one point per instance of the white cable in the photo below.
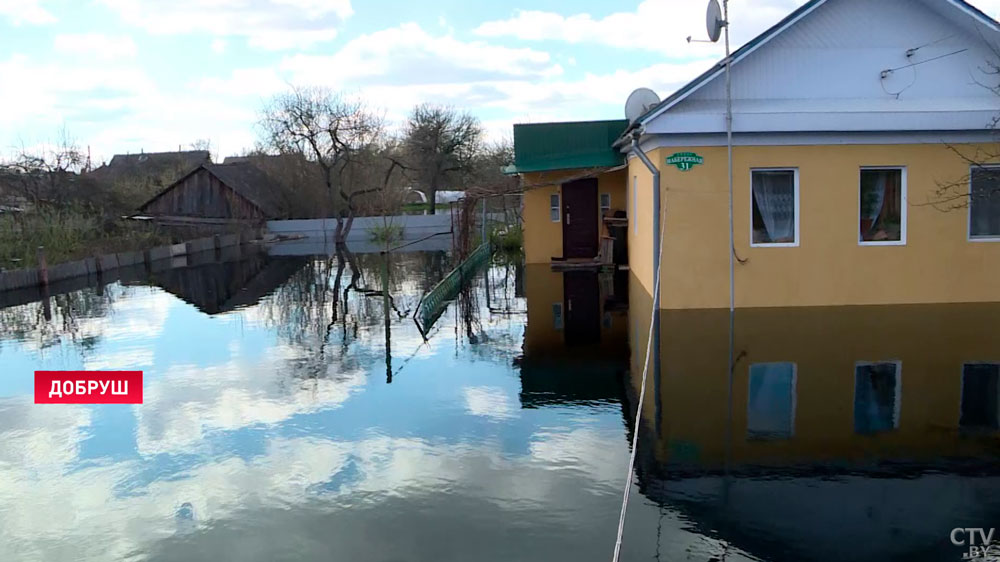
(642, 394)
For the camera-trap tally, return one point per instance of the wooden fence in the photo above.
(152, 258)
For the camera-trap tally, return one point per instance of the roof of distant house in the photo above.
(151, 164)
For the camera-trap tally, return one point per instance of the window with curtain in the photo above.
(984, 203)
(882, 212)
(775, 207)
(554, 210)
(771, 401)
(980, 395)
(876, 397)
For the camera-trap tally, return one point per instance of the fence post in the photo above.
(483, 227)
(385, 309)
(43, 267)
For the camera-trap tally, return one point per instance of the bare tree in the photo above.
(441, 144)
(982, 159)
(488, 168)
(330, 130)
(45, 175)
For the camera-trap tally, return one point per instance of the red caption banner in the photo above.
(88, 387)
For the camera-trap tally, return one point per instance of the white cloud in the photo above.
(395, 69)
(25, 11)
(655, 25)
(95, 45)
(268, 24)
(255, 82)
(115, 106)
(408, 55)
(219, 46)
(991, 7)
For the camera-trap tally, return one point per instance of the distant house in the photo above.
(217, 191)
(155, 168)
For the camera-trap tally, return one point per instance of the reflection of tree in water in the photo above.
(68, 314)
(489, 311)
(339, 302)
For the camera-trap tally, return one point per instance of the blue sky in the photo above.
(130, 75)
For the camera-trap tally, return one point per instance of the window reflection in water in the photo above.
(771, 401)
(980, 396)
(876, 397)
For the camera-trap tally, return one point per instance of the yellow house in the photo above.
(861, 166)
(574, 183)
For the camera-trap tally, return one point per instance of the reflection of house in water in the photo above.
(575, 338)
(220, 286)
(872, 424)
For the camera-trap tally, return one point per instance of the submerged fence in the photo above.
(433, 304)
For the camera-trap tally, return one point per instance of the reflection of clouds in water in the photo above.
(140, 316)
(488, 401)
(137, 358)
(126, 320)
(82, 516)
(42, 436)
(189, 401)
(582, 450)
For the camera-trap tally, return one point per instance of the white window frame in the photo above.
(635, 205)
(557, 207)
(902, 207)
(968, 229)
(600, 202)
(798, 205)
(898, 401)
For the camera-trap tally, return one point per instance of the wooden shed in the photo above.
(238, 191)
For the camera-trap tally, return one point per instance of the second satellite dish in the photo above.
(639, 102)
(714, 20)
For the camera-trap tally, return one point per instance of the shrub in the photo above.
(386, 233)
(507, 238)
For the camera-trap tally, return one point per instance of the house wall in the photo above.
(201, 194)
(542, 236)
(543, 288)
(931, 344)
(938, 264)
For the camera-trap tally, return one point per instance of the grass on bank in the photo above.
(69, 234)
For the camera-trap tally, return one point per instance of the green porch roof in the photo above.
(561, 146)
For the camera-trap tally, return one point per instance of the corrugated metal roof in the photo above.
(564, 146)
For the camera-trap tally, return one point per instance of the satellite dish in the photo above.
(639, 102)
(714, 20)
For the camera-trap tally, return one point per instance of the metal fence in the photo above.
(434, 303)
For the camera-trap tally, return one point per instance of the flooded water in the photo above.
(293, 412)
